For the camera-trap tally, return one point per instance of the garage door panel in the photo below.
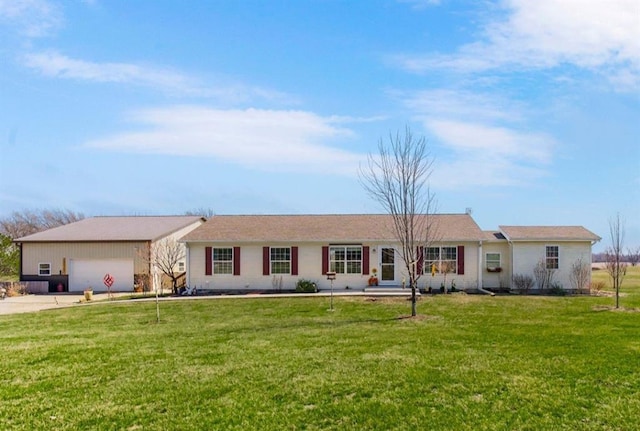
(84, 273)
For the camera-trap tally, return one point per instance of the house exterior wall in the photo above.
(55, 253)
(527, 254)
(310, 267)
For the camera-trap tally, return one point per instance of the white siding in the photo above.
(527, 254)
(57, 253)
(310, 267)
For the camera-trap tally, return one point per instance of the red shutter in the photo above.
(365, 260)
(265, 261)
(207, 261)
(325, 260)
(461, 259)
(419, 260)
(236, 260)
(294, 260)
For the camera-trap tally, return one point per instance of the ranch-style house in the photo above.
(265, 252)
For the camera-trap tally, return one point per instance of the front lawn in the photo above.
(468, 363)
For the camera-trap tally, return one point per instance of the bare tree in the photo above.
(27, 222)
(633, 255)
(165, 256)
(580, 275)
(398, 179)
(23, 223)
(615, 265)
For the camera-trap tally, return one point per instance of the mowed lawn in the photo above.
(467, 363)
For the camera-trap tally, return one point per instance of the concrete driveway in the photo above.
(31, 303)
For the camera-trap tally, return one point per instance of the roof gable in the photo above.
(133, 228)
(548, 233)
(322, 228)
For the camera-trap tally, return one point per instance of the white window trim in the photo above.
(486, 260)
(546, 258)
(271, 261)
(345, 247)
(213, 261)
(426, 269)
(39, 269)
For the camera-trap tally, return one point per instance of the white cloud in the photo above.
(32, 18)
(270, 140)
(54, 64)
(485, 136)
(598, 35)
(463, 104)
(420, 4)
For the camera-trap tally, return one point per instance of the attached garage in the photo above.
(84, 273)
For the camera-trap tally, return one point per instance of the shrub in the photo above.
(597, 285)
(522, 282)
(557, 289)
(543, 275)
(15, 289)
(306, 286)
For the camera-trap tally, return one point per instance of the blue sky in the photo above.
(531, 109)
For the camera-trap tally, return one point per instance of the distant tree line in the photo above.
(632, 256)
(23, 223)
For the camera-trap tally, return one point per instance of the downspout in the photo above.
(512, 263)
(479, 264)
(186, 266)
(20, 261)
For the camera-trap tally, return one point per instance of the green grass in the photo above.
(469, 363)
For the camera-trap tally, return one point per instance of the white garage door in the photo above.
(91, 272)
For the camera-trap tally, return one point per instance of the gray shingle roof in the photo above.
(322, 228)
(134, 228)
(549, 233)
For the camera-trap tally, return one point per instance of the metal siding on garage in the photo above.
(85, 273)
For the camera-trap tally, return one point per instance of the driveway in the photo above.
(30, 303)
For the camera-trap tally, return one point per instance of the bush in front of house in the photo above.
(523, 282)
(306, 286)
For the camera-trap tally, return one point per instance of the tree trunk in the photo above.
(413, 300)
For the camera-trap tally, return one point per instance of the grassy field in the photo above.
(468, 363)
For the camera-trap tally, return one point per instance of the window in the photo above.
(44, 269)
(431, 259)
(345, 259)
(492, 261)
(181, 266)
(552, 257)
(280, 260)
(223, 260)
(442, 259)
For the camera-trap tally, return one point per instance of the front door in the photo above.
(387, 265)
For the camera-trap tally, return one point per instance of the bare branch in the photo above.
(398, 179)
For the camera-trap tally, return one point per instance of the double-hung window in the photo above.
(280, 258)
(552, 257)
(440, 259)
(346, 259)
(492, 261)
(222, 260)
